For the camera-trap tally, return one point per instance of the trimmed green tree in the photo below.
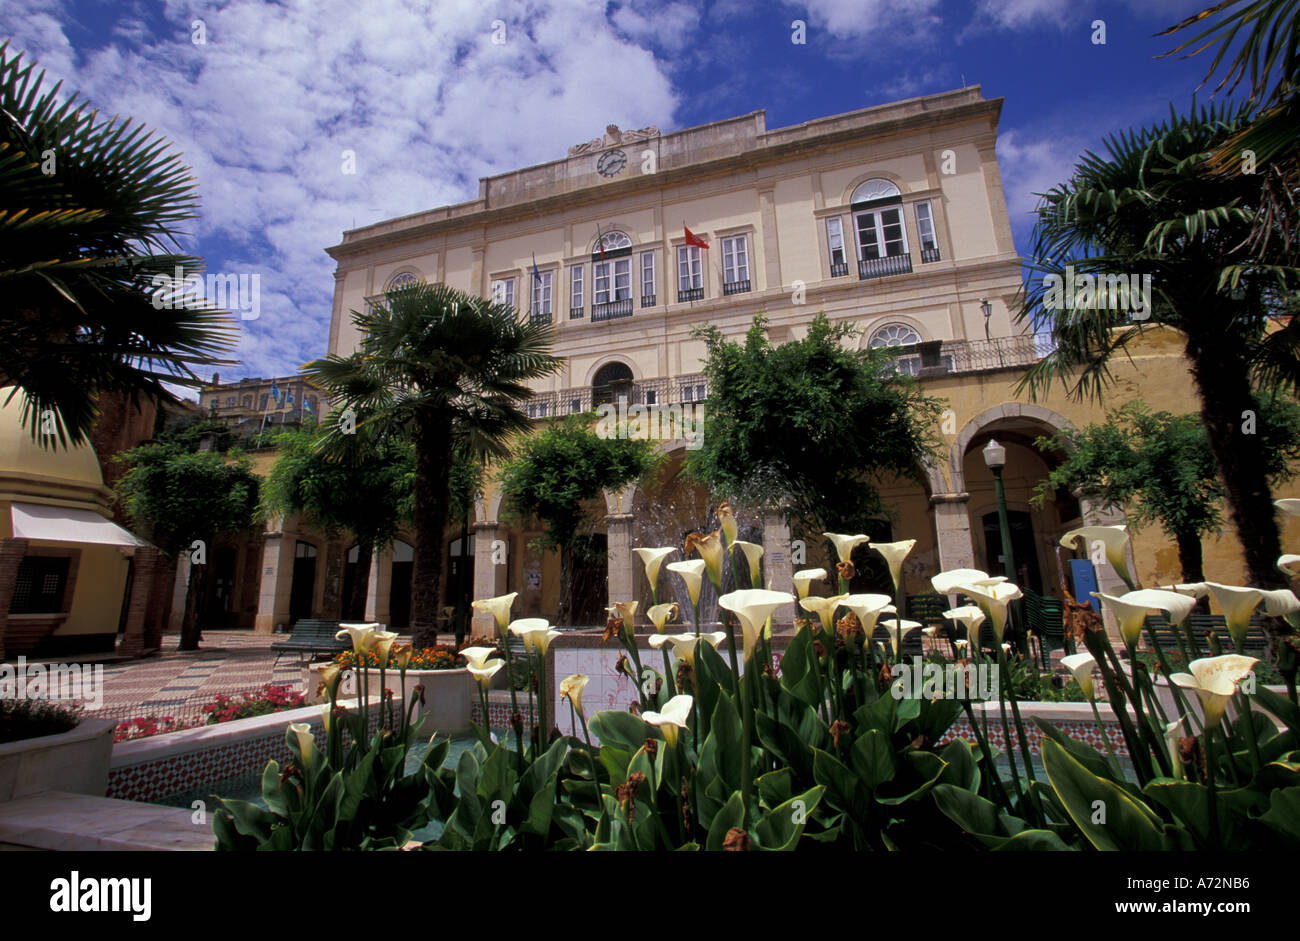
(557, 470)
(185, 500)
(1158, 468)
(812, 424)
(367, 492)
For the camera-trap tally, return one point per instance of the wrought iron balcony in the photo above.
(647, 300)
(929, 254)
(884, 267)
(692, 294)
(612, 310)
(575, 313)
(735, 287)
(839, 269)
(536, 317)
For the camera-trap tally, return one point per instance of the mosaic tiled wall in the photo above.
(1086, 732)
(151, 780)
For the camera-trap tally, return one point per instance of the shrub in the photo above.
(32, 718)
(268, 699)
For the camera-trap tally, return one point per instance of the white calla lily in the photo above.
(961, 646)
(1280, 602)
(660, 614)
(895, 553)
(824, 608)
(1215, 679)
(1191, 589)
(477, 656)
(968, 616)
(897, 628)
(625, 611)
(844, 545)
(1174, 604)
(685, 645)
(993, 601)
(498, 607)
(1289, 564)
(1131, 617)
(652, 559)
(306, 742)
(868, 608)
(529, 630)
(1237, 603)
(1081, 665)
(362, 636)
(673, 718)
(947, 583)
(753, 553)
(752, 607)
(692, 573)
(1290, 506)
(1171, 742)
(804, 578)
(382, 643)
(1114, 540)
(571, 688)
(483, 674)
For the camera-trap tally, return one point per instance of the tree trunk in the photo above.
(1190, 557)
(190, 634)
(1219, 369)
(432, 504)
(354, 605)
(565, 613)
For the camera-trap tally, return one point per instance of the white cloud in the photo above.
(901, 21)
(670, 26)
(1032, 165)
(1018, 14)
(263, 111)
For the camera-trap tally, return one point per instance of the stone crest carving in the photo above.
(614, 138)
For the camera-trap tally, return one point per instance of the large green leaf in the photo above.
(1283, 814)
(723, 750)
(872, 757)
(844, 789)
(621, 729)
(962, 765)
(1106, 814)
(732, 815)
(781, 827)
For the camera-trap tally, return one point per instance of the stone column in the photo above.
(778, 572)
(11, 555)
(146, 569)
(621, 581)
(378, 595)
(276, 583)
(488, 581)
(952, 530)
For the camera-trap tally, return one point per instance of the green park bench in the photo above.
(312, 639)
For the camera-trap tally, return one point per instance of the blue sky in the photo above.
(263, 110)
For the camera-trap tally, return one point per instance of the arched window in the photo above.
(612, 241)
(895, 334)
(401, 280)
(612, 381)
(248, 401)
(870, 190)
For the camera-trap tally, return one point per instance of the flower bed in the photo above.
(270, 698)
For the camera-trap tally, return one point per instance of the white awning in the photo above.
(66, 524)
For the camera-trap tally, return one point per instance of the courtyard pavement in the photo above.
(178, 683)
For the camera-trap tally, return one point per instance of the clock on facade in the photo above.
(611, 163)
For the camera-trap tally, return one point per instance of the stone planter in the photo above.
(311, 683)
(74, 761)
(449, 695)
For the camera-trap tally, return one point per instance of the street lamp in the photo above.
(986, 308)
(995, 456)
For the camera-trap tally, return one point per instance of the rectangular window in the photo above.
(880, 234)
(542, 294)
(835, 241)
(735, 259)
(925, 225)
(262, 401)
(690, 273)
(612, 280)
(575, 291)
(503, 291)
(647, 275)
(39, 585)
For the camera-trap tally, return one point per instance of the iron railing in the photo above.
(612, 310)
(929, 254)
(735, 287)
(884, 267)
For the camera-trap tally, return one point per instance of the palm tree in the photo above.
(88, 212)
(1148, 206)
(445, 368)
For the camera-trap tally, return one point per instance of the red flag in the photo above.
(693, 239)
(600, 242)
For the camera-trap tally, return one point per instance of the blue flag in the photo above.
(537, 276)
(275, 392)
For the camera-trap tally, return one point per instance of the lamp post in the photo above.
(995, 456)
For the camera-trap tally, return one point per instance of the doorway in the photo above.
(1023, 546)
(304, 582)
(399, 595)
